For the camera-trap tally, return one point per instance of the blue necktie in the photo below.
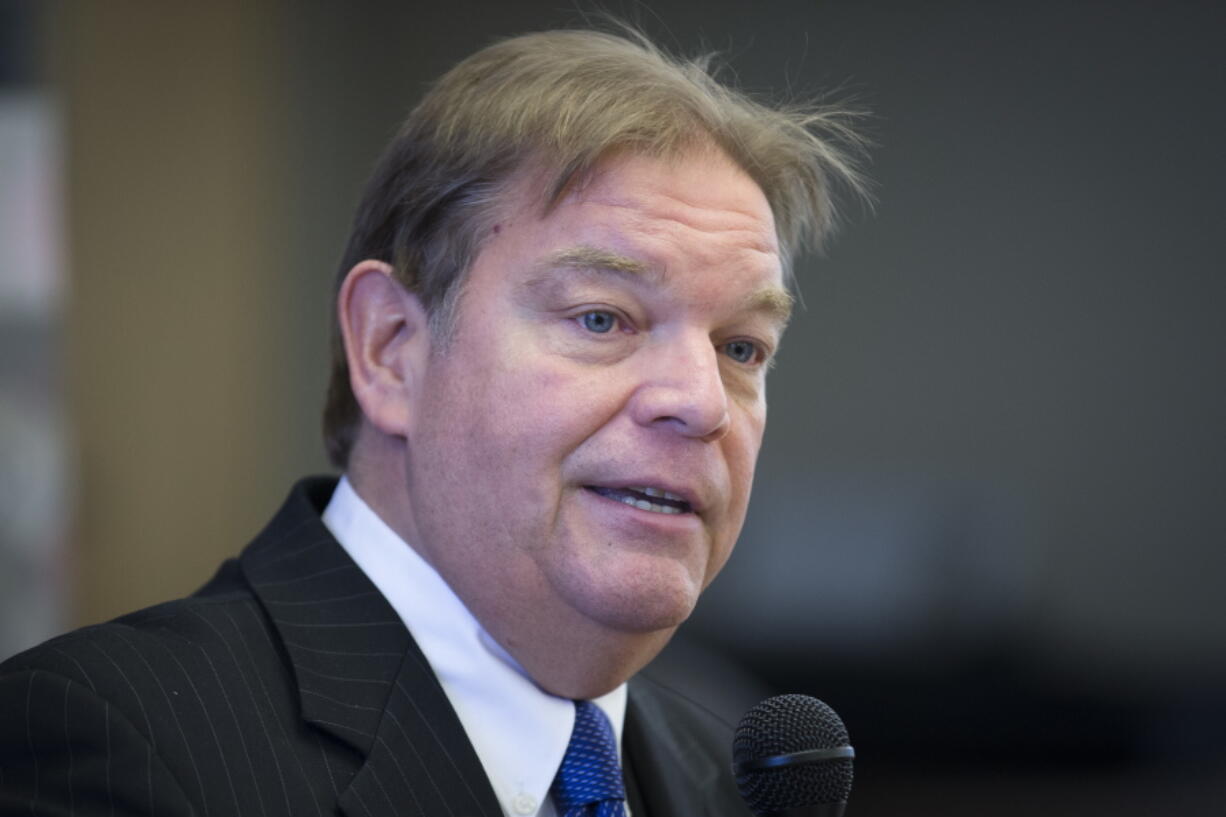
(589, 782)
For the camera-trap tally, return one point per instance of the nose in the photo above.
(683, 389)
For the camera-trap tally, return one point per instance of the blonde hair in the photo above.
(559, 102)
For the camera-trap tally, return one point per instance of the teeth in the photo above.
(644, 505)
(633, 496)
(658, 492)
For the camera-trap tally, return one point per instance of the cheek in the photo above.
(742, 448)
(531, 420)
(562, 401)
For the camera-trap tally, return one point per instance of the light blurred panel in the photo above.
(176, 200)
(34, 478)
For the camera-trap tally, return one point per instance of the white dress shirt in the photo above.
(519, 731)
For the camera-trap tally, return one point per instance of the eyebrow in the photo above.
(775, 302)
(585, 256)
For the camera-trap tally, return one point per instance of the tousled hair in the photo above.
(557, 103)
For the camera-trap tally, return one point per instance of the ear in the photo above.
(387, 345)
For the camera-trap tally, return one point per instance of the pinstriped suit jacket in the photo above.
(288, 686)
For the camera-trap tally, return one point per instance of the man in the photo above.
(558, 305)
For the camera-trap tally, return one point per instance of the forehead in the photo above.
(697, 209)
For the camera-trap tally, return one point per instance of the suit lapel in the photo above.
(671, 761)
(361, 677)
(422, 764)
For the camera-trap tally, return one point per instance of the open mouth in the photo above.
(645, 498)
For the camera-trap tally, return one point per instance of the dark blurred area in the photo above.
(989, 524)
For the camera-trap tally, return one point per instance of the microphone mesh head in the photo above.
(782, 725)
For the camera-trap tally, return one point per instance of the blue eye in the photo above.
(598, 321)
(742, 351)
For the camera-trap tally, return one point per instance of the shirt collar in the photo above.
(518, 730)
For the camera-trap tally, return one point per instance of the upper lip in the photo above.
(689, 494)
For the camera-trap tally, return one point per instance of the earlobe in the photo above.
(387, 339)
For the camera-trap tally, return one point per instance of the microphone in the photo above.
(792, 758)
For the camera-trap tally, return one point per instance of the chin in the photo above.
(638, 606)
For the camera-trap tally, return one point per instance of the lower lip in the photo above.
(665, 522)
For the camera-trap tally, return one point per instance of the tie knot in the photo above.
(589, 781)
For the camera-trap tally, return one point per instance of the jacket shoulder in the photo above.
(661, 701)
(169, 691)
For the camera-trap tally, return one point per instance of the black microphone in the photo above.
(792, 758)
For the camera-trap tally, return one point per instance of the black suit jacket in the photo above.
(288, 686)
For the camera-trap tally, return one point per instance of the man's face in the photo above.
(585, 443)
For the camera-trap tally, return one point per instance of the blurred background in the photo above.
(989, 525)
